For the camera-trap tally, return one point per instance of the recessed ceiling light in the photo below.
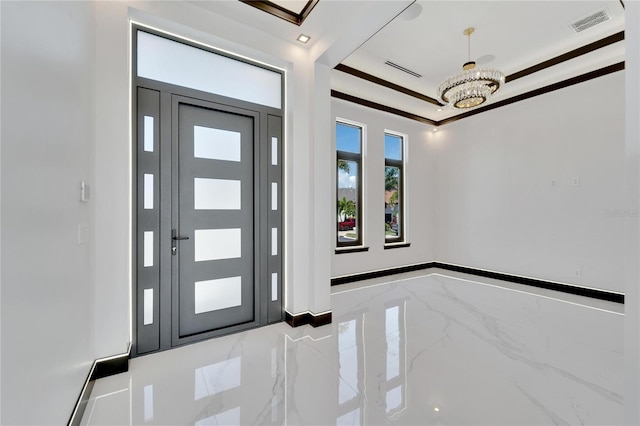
(439, 109)
(436, 409)
(435, 129)
(303, 38)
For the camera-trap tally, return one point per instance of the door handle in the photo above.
(174, 238)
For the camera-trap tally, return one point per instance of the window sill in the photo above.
(343, 250)
(396, 245)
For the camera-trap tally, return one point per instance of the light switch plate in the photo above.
(85, 192)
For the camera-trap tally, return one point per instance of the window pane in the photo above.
(392, 147)
(347, 201)
(177, 63)
(392, 202)
(348, 138)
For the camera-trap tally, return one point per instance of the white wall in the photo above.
(498, 208)
(47, 284)
(420, 200)
(632, 237)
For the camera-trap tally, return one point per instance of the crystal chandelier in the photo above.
(471, 87)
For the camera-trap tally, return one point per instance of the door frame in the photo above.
(268, 124)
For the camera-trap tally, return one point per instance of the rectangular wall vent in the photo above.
(403, 69)
(591, 20)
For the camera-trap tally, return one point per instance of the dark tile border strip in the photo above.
(308, 318)
(100, 368)
(282, 12)
(549, 285)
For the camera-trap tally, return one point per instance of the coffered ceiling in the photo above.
(532, 42)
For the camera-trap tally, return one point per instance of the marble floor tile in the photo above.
(415, 349)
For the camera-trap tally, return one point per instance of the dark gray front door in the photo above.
(214, 268)
(208, 226)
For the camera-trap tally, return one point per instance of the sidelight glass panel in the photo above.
(213, 244)
(161, 59)
(148, 133)
(148, 249)
(222, 293)
(216, 144)
(274, 286)
(218, 377)
(274, 241)
(148, 191)
(274, 196)
(216, 194)
(274, 151)
(148, 306)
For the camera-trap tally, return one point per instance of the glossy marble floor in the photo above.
(416, 349)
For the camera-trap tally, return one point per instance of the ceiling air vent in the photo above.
(403, 69)
(591, 20)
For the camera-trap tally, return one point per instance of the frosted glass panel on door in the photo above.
(148, 133)
(216, 144)
(148, 306)
(216, 194)
(274, 286)
(148, 249)
(222, 293)
(177, 63)
(148, 191)
(274, 241)
(214, 244)
(274, 151)
(274, 196)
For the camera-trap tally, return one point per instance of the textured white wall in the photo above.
(498, 208)
(47, 150)
(420, 208)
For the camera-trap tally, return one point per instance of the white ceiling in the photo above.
(427, 37)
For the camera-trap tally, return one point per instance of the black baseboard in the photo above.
(101, 368)
(109, 367)
(381, 273)
(549, 285)
(308, 318)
